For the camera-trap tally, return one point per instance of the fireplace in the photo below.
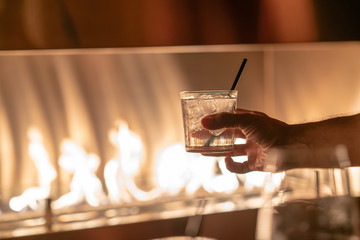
(93, 137)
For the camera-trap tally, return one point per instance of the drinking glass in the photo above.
(308, 203)
(198, 104)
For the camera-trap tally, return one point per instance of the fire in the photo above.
(176, 172)
(120, 171)
(84, 185)
(170, 169)
(46, 174)
(175, 169)
(226, 182)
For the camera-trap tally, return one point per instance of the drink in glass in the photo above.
(198, 104)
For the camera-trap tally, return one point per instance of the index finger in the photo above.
(229, 120)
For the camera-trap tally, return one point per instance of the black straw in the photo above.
(239, 74)
(212, 138)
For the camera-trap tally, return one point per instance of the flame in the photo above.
(84, 185)
(171, 168)
(226, 182)
(120, 171)
(46, 174)
(175, 170)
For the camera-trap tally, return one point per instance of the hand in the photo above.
(261, 132)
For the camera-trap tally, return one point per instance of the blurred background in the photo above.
(91, 89)
(40, 24)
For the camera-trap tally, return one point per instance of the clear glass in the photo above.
(198, 104)
(308, 203)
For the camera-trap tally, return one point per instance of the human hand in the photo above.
(261, 132)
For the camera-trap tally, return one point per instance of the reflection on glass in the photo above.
(308, 203)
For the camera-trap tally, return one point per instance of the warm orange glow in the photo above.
(120, 171)
(46, 174)
(175, 170)
(287, 21)
(170, 169)
(84, 185)
(79, 94)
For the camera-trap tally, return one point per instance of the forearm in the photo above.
(329, 133)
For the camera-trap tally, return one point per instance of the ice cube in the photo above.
(217, 132)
